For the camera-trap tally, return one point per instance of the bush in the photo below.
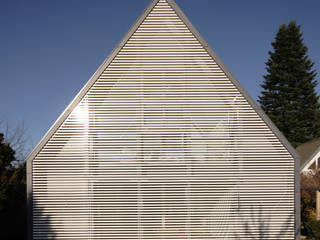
(312, 229)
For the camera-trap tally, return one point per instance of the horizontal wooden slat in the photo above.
(163, 146)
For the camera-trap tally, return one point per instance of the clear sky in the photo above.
(49, 49)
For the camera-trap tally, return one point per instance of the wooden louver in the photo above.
(162, 144)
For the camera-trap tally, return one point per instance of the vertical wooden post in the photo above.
(318, 205)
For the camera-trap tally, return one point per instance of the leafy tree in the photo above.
(12, 194)
(289, 97)
(310, 226)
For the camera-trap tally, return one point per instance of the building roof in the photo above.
(117, 50)
(281, 153)
(307, 151)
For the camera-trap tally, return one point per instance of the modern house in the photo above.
(310, 156)
(163, 143)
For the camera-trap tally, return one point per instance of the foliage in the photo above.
(310, 226)
(312, 229)
(12, 194)
(288, 96)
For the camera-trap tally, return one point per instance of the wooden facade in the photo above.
(163, 143)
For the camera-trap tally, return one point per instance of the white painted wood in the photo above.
(163, 146)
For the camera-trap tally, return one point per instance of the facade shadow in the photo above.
(36, 216)
(259, 227)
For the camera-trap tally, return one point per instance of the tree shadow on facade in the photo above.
(259, 227)
(42, 220)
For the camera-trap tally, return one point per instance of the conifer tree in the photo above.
(288, 96)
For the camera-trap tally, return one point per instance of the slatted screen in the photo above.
(163, 146)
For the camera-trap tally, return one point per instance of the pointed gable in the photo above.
(162, 142)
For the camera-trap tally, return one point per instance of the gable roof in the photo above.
(307, 152)
(189, 60)
(118, 48)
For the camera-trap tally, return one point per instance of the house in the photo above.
(310, 154)
(163, 143)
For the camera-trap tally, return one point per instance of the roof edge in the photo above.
(115, 51)
(108, 60)
(308, 162)
(91, 81)
(233, 79)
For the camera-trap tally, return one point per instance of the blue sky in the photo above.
(49, 49)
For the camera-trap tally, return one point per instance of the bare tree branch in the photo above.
(16, 137)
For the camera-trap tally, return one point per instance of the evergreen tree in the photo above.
(289, 97)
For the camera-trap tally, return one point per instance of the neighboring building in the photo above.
(310, 156)
(163, 143)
